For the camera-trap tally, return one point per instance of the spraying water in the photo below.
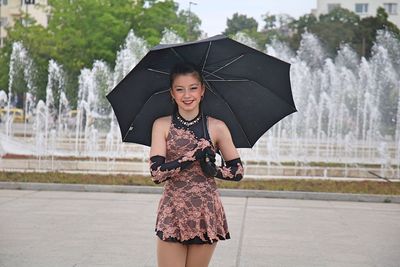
(348, 107)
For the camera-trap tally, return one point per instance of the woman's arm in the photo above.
(233, 168)
(159, 169)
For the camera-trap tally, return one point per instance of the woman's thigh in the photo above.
(171, 254)
(199, 255)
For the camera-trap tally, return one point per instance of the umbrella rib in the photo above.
(158, 71)
(131, 125)
(244, 80)
(221, 79)
(227, 64)
(249, 80)
(177, 54)
(209, 73)
(244, 133)
(272, 92)
(205, 60)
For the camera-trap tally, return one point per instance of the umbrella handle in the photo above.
(205, 131)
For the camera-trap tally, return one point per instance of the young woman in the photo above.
(190, 218)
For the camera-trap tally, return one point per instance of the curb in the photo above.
(223, 192)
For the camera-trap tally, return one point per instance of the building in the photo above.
(12, 10)
(363, 8)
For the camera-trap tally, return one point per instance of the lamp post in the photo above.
(189, 18)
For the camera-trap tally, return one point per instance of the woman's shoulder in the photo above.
(216, 123)
(162, 121)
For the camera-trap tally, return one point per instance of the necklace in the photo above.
(187, 123)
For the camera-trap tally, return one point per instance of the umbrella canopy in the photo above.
(247, 89)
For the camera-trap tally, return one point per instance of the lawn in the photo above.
(309, 185)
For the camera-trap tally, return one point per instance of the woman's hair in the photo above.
(182, 68)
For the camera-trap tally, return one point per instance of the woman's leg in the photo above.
(171, 254)
(199, 255)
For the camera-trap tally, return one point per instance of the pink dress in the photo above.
(190, 210)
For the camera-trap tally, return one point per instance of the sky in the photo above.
(214, 13)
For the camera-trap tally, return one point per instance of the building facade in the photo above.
(12, 10)
(363, 8)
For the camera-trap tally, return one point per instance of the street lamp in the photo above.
(189, 18)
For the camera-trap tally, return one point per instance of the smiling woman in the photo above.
(190, 218)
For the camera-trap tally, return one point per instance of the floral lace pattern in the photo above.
(158, 175)
(227, 172)
(190, 206)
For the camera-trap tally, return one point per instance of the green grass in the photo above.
(311, 185)
(248, 162)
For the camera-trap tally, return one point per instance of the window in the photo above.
(332, 7)
(361, 8)
(3, 2)
(391, 8)
(3, 21)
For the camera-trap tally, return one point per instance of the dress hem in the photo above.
(195, 240)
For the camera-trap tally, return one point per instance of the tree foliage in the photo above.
(80, 32)
(334, 29)
(247, 25)
(239, 23)
(342, 26)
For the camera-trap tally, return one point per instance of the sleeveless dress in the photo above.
(190, 210)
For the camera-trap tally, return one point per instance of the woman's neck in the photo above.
(189, 115)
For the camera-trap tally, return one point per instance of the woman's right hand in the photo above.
(207, 163)
(203, 147)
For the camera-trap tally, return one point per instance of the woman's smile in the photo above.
(188, 102)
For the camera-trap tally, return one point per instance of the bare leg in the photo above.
(171, 254)
(199, 255)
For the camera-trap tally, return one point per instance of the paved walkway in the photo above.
(82, 229)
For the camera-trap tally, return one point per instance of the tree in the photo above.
(36, 40)
(193, 22)
(368, 28)
(240, 23)
(342, 26)
(79, 32)
(298, 27)
(276, 27)
(154, 16)
(333, 29)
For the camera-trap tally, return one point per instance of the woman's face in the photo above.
(187, 91)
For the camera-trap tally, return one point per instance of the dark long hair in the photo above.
(182, 68)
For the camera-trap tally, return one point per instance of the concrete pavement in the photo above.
(223, 191)
(85, 229)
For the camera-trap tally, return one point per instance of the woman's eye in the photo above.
(193, 88)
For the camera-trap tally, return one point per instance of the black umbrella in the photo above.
(247, 89)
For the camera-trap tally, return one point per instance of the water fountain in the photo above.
(170, 37)
(21, 68)
(348, 109)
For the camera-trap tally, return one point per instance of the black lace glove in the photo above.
(231, 171)
(207, 163)
(162, 171)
